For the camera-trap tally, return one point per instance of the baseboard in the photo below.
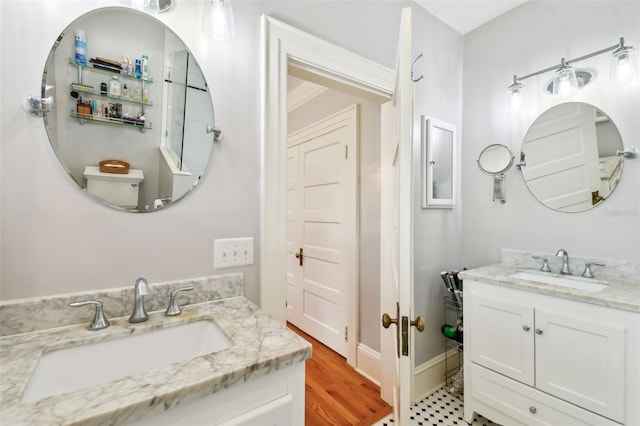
(368, 363)
(429, 376)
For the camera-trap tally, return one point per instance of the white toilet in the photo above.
(118, 189)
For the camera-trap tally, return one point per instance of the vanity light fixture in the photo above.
(151, 6)
(217, 19)
(567, 81)
(517, 96)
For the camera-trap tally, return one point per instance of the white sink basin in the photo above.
(69, 369)
(580, 284)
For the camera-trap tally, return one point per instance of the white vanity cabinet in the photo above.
(537, 359)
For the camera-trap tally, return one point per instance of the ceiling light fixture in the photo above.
(567, 81)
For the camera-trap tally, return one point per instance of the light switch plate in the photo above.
(230, 252)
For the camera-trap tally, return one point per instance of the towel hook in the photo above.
(413, 65)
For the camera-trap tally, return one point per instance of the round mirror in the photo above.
(570, 159)
(495, 159)
(132, 120)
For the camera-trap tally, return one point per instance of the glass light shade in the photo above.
(624, 65)
(517, 99)
(565, 83)
(151, 6)
(217, 19)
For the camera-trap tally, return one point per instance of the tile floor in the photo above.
(438, 409)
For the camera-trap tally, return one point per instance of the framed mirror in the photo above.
(570, 157)
(496, 160)
(438, 163)
(132, 114)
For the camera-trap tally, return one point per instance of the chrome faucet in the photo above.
(139, 313)
(565, 262)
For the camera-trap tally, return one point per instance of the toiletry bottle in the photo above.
(81, 47)
(125, 91)
(138, 70)
(103, 88)
(114, 86)
(138, 96)
(145, 66)
(145, 96)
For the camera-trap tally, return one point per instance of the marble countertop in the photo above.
(260, 345)
(620, 293)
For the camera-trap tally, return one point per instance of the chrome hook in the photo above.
(415, 80)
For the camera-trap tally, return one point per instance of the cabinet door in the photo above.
(502, 336)
(581, 360)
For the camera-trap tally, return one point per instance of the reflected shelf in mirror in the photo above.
(182, 106)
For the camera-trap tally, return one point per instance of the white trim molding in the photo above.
(305, 92)
(428, 377)
(282, 45)
(369, 363)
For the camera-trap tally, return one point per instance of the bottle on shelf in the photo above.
(125, 91)
(81, 47)
(114, 87)
(145, 66)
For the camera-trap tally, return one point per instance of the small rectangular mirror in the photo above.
(438, 163)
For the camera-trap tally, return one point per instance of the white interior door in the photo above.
(564, 149)
(396, 232)
(321, 228)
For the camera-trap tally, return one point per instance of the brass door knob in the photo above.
(300, 255)
(418, 323)
(387, 320)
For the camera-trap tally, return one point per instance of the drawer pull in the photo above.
(526, 327)
(538, 331)
(533, 410)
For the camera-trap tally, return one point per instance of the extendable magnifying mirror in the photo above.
(496, 160)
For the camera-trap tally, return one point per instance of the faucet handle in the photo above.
(545, 263)
(587, 269)
(174, 307)
(99, 321)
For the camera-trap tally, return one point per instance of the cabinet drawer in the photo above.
(523, 404)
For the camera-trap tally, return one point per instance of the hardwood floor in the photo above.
(336, 394)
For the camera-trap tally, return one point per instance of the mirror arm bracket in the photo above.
(629, 153)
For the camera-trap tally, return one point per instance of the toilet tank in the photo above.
(117, 189)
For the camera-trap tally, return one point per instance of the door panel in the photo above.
(322, 224)
(503, 338)
(396, 229)
(568, 348)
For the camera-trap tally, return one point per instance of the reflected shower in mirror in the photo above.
(569, 155)
(438, 163)
(140, 98)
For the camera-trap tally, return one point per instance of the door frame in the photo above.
(284, 46)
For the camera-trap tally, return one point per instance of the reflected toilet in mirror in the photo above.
(571, 157)
(138, 96)
(496, 160)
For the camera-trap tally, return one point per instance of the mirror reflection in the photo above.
(131, 110)
(438, 163)
(496, 160)
(571, 164)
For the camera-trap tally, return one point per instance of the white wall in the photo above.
(527, 39)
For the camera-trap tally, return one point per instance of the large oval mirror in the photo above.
(569, 152)
(133, 117)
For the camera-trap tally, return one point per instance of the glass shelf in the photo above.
(92, 67)
(117, 98)
(107, 120)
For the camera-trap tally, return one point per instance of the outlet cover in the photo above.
(231, 252)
